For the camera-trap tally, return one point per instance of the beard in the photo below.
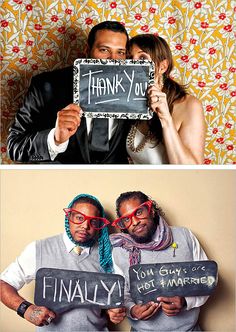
(147, 237)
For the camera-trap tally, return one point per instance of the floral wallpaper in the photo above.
(43, 35)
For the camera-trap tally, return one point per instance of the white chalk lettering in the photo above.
(197, 268)
(140, 89)
(80, 294)
(131, 83)
(143, 274)
(94, 301)
(89, 83)
(163, 271)
(101, 86)
(187, 281)
(67, 291)
(55, 291)
(145, 286)
(210, 281)
(109, 291)
(45, 286)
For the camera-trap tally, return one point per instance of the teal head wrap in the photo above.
(105, 257)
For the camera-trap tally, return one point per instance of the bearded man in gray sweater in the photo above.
(146, 238)
(84, 246)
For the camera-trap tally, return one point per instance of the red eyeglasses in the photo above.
(77, 217)
(141, 212)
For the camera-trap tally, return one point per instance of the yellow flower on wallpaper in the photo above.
(38, 36)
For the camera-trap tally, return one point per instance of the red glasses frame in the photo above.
(115, 222)
(68, 210)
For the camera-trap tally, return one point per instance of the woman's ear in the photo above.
(163, 66)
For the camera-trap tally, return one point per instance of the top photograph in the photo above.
(118, 82)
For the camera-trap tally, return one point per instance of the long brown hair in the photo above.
(159, 50)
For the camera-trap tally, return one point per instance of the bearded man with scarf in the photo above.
(84, 246)
(146, 238)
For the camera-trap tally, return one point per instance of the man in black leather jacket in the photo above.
(49, 128)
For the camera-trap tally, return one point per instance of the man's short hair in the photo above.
(106, 25)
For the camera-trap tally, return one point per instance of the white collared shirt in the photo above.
(23, 270)
(54, 149)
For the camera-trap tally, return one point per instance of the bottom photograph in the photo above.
(117, 250)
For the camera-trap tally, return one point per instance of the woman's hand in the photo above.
(158, 103)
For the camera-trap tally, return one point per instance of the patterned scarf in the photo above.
(125, 241)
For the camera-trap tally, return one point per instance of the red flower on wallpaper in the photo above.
(171, 20)
(138, 17)
(35, 66)
(29, 7)
(224, 86)
(49, 52)
(3, 149)
(230, 147)
(222, 16)
(212, 50)
(178, 46)
(29, 42)
(228, 125)
(201, 84)
(10, 82)
(4, 23)
(145, 28)
(185, 58)
(218, 76)
(193, 41)
(195, 65)
(24, 60)
(88, 21)
(207, 161)
(209, 108)
(38, 27)
(54, 18)
(232, 69)
(198, 5)
(220, 140)
(62, 30)
(16, 49)
(152, 10)
(113, 4)
(228, 28)
(204, 25)
(68, 11)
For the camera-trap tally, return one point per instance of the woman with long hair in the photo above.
(176, 132)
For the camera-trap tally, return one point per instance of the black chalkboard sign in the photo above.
(113, 88)
(62, 290)
(148, 281)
